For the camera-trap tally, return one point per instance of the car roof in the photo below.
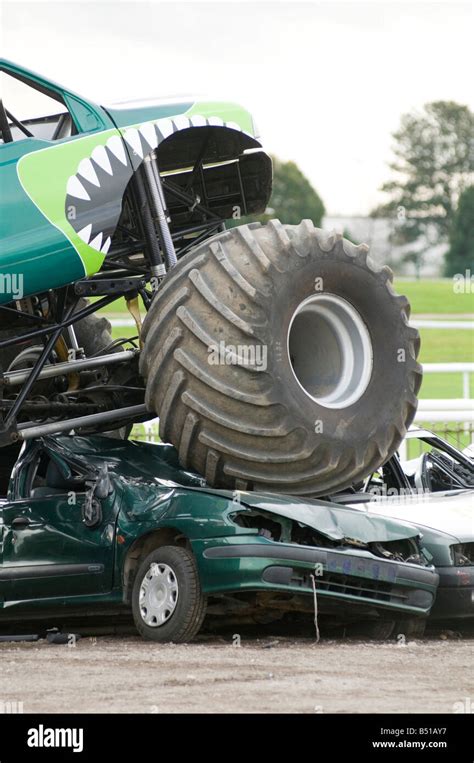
(418, 432)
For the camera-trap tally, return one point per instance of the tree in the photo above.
(434, 163)
(460, 255)
(293, 198)
(415, 259)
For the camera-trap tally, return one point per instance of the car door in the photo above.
(3, 582)
(48, 549)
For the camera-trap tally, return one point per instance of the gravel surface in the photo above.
(271, 674)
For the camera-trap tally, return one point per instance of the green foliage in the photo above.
(293, 198)
(416, 259)
(434, 163)
(460, 256)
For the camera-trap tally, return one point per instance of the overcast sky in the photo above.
(326, 82)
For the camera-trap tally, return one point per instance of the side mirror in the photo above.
(101, 488)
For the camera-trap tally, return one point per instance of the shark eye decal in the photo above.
(95, 192)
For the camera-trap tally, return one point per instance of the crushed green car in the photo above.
(93, 525)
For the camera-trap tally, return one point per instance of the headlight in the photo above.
(462, 554)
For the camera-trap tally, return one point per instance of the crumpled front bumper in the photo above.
(354, 577)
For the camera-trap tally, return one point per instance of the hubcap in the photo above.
(330, 350)
(158, 595)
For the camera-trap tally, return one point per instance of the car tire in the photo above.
(412, 629)
(94, 332)
(296, 414)
(94, 335)
(381, 630)
(167, 601)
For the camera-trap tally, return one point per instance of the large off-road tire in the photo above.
(94, 336)
(278, 358)
(93, 333)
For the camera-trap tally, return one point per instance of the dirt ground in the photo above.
(270, 674)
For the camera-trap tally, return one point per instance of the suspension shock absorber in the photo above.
(157, 266)
(158, 204)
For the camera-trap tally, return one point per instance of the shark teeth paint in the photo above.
(101, 158)
(95, 192)
(75, 188)
(198, 121)
(115, 144)
(165, 128)
(148, 132)
(96, 243)
(87, 171)
(132, 136)
(85, 233)
(181, 122)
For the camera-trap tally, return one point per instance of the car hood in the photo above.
(330, 519)
(451, 512)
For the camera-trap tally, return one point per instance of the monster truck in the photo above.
(277, 357)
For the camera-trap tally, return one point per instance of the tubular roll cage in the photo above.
(162, 248)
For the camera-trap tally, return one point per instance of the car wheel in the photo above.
(167, 600)
(413, 628)
(376, 631)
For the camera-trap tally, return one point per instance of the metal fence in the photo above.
(461, 435)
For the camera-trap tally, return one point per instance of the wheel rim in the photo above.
(158, 595)
(330, 350)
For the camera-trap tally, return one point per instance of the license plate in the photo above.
(364, 568)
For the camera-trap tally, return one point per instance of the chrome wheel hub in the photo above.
(330, 350)
(158, 595)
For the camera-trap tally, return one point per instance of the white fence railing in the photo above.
(451, 418)
(461, 410)
(465, 369)
(422, 323)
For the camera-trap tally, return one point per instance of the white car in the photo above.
(435, 493)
